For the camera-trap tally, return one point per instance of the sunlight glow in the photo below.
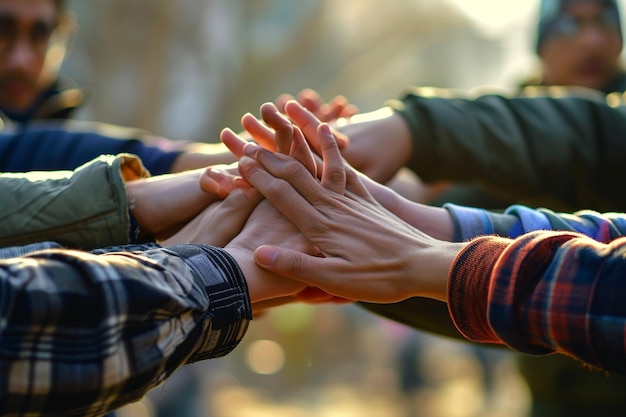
(494, 16)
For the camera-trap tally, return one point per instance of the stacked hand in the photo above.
(365, 252)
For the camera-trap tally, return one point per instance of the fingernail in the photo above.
(208, 182)
(266, 255)
(251, 149)
(325, 129)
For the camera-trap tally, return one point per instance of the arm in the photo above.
(567, 150)
(543, 292)
(67, 145)
(200, 155)
(85, 208)
(89, 207)
(150, 311)
(518, 220)
(563, 279)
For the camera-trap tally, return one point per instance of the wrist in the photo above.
(434, 263)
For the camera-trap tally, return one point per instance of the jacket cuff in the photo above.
(468, 288)
(230, 308)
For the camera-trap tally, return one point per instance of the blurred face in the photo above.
(25, 30)
(584, 47)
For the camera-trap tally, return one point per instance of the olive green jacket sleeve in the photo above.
(555, 149)
(85, 208)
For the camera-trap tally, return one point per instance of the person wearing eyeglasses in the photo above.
(579, 43)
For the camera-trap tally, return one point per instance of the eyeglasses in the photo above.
(568, 27)
(37, 35)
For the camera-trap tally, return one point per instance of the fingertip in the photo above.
(266, 255)
(324, 129)
(248, 121)
(292, 105)
(210, 182)
(269, 106)
(227, 131)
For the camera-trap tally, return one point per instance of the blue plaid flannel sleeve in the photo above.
(85, 333)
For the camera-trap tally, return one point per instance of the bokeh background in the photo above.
(184, 69)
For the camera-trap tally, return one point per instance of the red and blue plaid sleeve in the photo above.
(544, 292)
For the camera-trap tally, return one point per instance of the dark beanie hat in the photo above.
(549, 11)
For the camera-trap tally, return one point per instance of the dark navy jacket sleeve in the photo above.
(54, 147)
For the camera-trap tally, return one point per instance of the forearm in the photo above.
(543, 292)
(434, 221)
(125, 348)
(380, 143)
(201, 155)
(162, 204)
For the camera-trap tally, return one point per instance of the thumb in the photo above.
(288, 263)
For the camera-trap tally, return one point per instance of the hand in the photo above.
(379, 142)
(434, 221)
(337, 108)
(162, 204)
(267, 226)
(369, 253)
(220, 222)
(288, 139)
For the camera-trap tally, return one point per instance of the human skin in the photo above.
(197, 155)
(434, 221)
(162, 204)
(588, 58)
(369, 254)
(25, 29)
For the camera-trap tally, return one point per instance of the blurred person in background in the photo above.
(35, 103)
(579, 43)
(34, 36)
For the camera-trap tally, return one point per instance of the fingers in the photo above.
(283, 128)
(289, 139)
(310, 100)
(228, 217)
(261, 134)
(333, 170)
(233, 142)
(282, 100)
(307, 121)
(290, 264)
(291, 197)
(276, 134)
(338, 107)
(301, 152)
(220, 222)
(220, 183)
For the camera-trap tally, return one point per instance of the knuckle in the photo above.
(337, 175)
